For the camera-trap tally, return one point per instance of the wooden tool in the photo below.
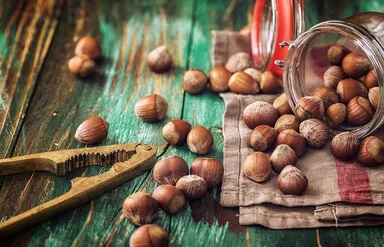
(126, 161)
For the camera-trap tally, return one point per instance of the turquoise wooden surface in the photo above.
(42, 104)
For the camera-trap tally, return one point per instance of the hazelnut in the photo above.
(242, 83)
(263, 137)
(336, 114)
(140, 208)
(315, 131)
(238, 61)
(170, 198)
(270, 83)
(283, 156)
(336, 53)
(327, 95)
(292, 181)
(370, 79)
(169, 170)
(310, 107)
(159, 59)
(359, 111)
(259, 113)
(81, 66)
(151, 108)
(88, 46)
(287, 121)
(257, 167)
(293, 139)
(355, 66)
(333, 75)
(92, 130)
(149, 236)
(193, 186)
(210, 169)
(349, 88)
(175, 132)
(219, 79)
(194, 81)
(371, 152)
(344, 146)
(254, 73)
(200, 140)
(373, 96)
(281, 104)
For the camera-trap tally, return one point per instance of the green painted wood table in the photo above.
(42, 103)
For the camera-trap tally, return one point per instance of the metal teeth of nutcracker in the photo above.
(285, 43)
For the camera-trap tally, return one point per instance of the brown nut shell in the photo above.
(310, 107)
(200, 140)
(170, 198)
(292, 181)
(344, 146)
(169, 170)
(370, 79)
(81, 66)
(193, 186)
(336, 114)
(88, 46)
(149, 236)
(373, 96)
(329, 96)
(315, 131)
(287, 121)
(332, 76)
(281, 104)
(293, 139)
(140, 208)
(219, 79)
(336, 53)
(355, 66)
(93, 130)
(175, 132)
(210, 169)
(254, 73)
(257, 167)
(263, 137)
(159, 59)
(259, 113)
(242, 83)
(238, 62)
(359, 111)
(151, 108)
(283, 156)
(194, 81)
(270, 83)
(371, 152)
(350, 88)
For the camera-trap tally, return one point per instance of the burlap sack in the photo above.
(331, 182)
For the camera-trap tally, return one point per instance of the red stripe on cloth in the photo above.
(353, 181)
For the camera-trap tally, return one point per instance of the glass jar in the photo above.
(307, 60)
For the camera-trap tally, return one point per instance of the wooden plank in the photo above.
(127, 31)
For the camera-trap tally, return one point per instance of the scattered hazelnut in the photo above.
(254, 73)
(170, 198)
(81, 66)
(283, 156)
(355, 66)
(292, 181)
(149, 236)
(371, 152)
(344, 146)
(315, 131)
(169, 170)
(238, 61)
(310, 107)
(92, 130)
(333, 75)
(210, 169)
(336, 114)
(140, 208)
(151, 108)
(263, 137)
(287, 121)
(373, 96)
(159, 59)
(359, 111)
(327, 95)
(370, 79)
(270, 83)
(281, 104)
(293, 139)
(219, 79)
(259, 113)
(200, 140)
(349, 88)
(336, 53)
(88, 46)
(175, 132)
(242, 83)
(257, 167)
(193, 186)
(194, 81)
